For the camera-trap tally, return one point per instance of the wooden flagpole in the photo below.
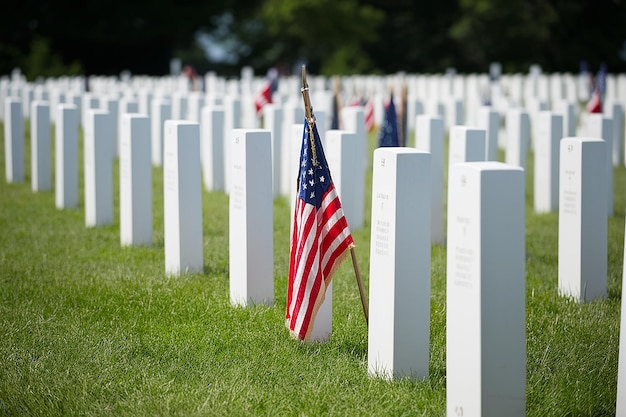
(310, 121)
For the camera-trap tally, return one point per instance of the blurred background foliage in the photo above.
(48, 38)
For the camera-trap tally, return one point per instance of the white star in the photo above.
(310, 171)
(313, 194)
(311, 182)
(303, 162)
(304, 185)
(322, 178)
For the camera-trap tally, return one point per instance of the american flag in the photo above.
(388, 134)
(594, 105)
(263, 97)
(369, 115)
(320, 238)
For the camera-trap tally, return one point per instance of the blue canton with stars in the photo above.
(314, 180)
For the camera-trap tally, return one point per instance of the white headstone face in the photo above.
(57, 97)
(195, 103)
(467, 144)
(70, 98)
(232, 120)
(89, 102)
(353, 118)
(98, 168)
(179, 105)
(212, 147)
(582, 219)
(112, 106)
(354, 121)
(616, 112)
(534, 107)
(66, 157)
(320, 122)
(517, 137)
(429, 137)
(27, 97)
(567, 110)
(621, 368)
(145, 102)
(546, 179)
(251, 222)
(399, 319)
(435, 107)
(485, 291)
(126, 105)
(415, 107)
(135, 181)
(600, 126)
(273, 121)
(14, 140)
(489, 119)
(249, 119)
(344, 163)
(456, 112)
(292, 114)
(182, 194)
(161, 111)
(41, 178)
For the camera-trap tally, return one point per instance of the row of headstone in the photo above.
(487, 118)
(477, 315)
(485, 266)
(456, 98)
(485, 313)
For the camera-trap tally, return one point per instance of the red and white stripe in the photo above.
(319, 242)
(263, 97)
(595, 103)
(369, 115)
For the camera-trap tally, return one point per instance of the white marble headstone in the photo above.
(582, 269)
(429, 137)
(489, 120)
(621, 367)
(161, 111)
(399, 305)
(546, 179)
(182, 194)
(135, 181)
(273, 121)
(251, 222)
(13, 140)
(212, 147)
(485, 291)
(232, 120)
(517, 137)
(66, 157)
(467, 144)
(41, 174)
(98, 168)
(343, 156)
(601, 126)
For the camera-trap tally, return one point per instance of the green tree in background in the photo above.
(557, 34)
(330, 34)
(44, 38)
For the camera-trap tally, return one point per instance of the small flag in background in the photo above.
(369, 115)
(263, 97)
(595, 102)
(388, 134)
(320, 238)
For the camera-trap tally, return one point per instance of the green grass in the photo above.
(90, 328)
